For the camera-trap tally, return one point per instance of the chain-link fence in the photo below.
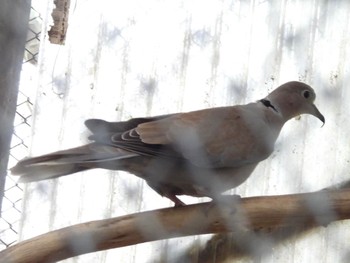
(12, 196)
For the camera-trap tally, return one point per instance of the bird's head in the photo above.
(295, 98)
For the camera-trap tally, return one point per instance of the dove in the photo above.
(201, 153)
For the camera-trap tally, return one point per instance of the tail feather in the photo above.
(67, 162)
(43, 172)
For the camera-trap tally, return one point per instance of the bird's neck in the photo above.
(273, 114)
(283, 105)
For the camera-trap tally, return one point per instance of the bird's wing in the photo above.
(123, 135)
(216, 137)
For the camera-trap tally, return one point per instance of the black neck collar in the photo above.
(268, 104)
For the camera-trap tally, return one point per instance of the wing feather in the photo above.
(216, 137)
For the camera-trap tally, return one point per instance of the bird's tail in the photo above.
(67, 162)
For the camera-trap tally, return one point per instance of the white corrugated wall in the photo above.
(136, 58)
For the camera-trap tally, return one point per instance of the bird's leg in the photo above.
(174, 198)
(165, 191)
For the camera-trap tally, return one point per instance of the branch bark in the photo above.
(237, 215)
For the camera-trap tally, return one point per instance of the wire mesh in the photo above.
(12, 196)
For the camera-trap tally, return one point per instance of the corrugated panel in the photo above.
(127, 59)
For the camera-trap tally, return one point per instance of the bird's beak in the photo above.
(318, 114)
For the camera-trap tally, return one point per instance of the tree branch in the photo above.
(237, 216)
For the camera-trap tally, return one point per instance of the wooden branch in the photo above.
(254, 213)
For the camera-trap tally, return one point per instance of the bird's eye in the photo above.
(306, 94)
